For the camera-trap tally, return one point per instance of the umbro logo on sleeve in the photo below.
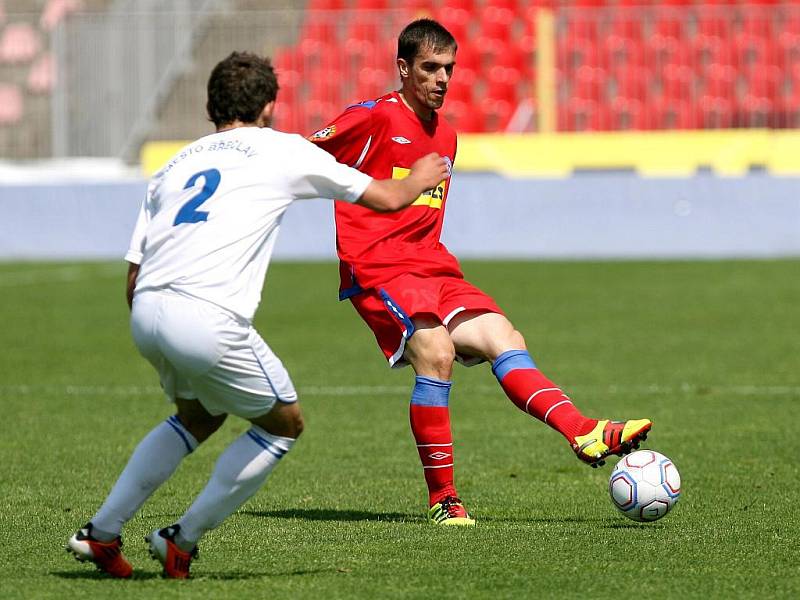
(401, 140)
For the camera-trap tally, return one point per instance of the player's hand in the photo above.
(429, 171)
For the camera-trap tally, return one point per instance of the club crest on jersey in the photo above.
(401, 140)
(324, 134)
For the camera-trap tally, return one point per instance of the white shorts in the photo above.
(203, 352)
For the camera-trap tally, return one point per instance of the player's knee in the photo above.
(201, 427)
(516, 340)
(285, 420)
(439, 358)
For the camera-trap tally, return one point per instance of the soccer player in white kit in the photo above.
(198, 257)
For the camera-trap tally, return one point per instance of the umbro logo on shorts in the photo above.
(401, 140)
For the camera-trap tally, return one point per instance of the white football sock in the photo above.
(151, 464)
(240, 471)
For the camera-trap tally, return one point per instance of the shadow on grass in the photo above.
(198, 574)
(97, 575)
(329, 514)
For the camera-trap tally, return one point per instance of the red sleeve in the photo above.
(347, 135)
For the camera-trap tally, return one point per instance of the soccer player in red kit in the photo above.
(410, 290)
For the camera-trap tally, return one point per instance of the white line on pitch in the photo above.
(58, 275)
(391, 390)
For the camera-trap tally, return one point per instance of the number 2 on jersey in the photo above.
(188, 212)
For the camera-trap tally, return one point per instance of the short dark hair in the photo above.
(239, 88)
(423, 33)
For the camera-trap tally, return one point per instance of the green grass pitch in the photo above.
(709, 350)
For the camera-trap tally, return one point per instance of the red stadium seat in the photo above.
(496, 114)
(677, 83)
(632, 84)
(326, 4)
(713, 24)
(626, 26)
(512, 56)
(19, 43)
(715, 112)
(501, 84)
(56, 11)
(581, 26)
(755, 112)
(325, 85)
(583, 115)
(319, 113)
(720, 82)
(496, 23)
(589, 84)
(463, 76)
(621, 52)
(364, 27)
(42, 75)
(468, 57)
(468, 5)
(629, 114)
(575, 52)
(463, 116)
(459, 90)
(757, 22)
(373, 83)
(669, 24)
(673, 113)
(458, 22)
(319, 29)
(11, 104)
(371, 4)
(764, 82)
(707, 51)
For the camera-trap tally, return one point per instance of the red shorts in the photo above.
(388, 309)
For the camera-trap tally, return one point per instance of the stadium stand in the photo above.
(617, 65)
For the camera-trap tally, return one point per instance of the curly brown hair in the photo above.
(239, 87)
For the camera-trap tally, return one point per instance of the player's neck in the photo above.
(423, 112)
(237, 125)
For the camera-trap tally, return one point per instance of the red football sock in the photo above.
(430, 424)
(535, 394)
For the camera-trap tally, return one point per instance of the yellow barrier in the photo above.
(652, 154)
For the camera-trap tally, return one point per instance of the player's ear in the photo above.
(403, 67)
(265, 118)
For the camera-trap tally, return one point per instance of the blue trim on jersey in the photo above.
(176, 424)
(511, 360)
(266, 444)
(398, 312)
(429, 391)
(368, 104)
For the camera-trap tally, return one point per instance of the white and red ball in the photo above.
(645, 485)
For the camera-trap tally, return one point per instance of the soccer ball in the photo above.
(644, 485)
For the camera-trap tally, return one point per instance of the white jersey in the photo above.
(208, 224)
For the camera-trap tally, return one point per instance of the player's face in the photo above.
(425, 81)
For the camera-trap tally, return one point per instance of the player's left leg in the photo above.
(492, 337)
(251, 382)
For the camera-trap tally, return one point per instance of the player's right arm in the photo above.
(133, 272)
(313, 173)
(135, 251)
(387, 195)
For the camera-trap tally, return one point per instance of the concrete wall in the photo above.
(610, 215)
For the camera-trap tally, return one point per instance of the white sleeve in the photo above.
(136, 246)
(313, 173)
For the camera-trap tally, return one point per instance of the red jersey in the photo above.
(383, 138)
